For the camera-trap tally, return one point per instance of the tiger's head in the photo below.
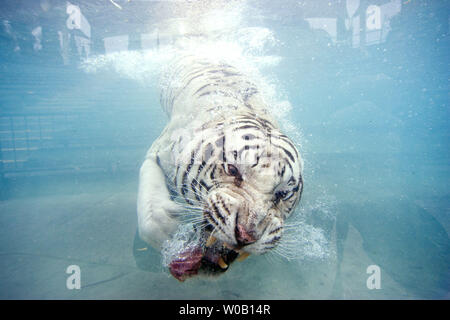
(253, 184)
(244, 177)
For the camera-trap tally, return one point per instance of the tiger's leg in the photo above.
(156, 218)
(156, 211)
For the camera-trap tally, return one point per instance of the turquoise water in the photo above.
(79, 107)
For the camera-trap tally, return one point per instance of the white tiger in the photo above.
(223, 156)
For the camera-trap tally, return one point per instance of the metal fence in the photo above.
(63, 142)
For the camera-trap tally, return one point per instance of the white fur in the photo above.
(189, 111)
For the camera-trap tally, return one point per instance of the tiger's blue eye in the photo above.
(232, 170)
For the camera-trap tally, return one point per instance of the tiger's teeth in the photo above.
(242, 256)
(211, 240)
(222, 263)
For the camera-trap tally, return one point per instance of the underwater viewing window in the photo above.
(329, 119)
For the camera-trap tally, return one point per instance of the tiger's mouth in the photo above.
(210, 257)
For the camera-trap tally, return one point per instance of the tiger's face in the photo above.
(255, 185)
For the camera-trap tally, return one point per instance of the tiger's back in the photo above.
(210, 89)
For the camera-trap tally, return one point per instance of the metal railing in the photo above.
(42, 143)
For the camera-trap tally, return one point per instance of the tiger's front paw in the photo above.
(160, 222)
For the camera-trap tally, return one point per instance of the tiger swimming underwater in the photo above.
(221, 162)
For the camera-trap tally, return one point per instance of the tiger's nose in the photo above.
(243, 236)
